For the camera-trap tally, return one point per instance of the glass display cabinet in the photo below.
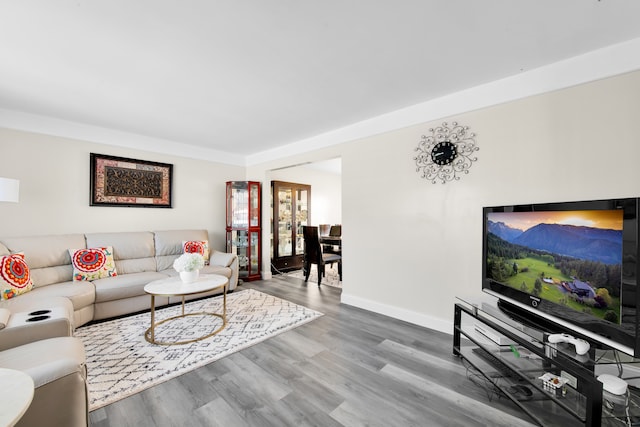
(291, 205)
(243, 227)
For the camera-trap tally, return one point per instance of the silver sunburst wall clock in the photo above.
(446, 153)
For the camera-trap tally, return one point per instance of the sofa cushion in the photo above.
(169, 244)
(79, 294)
(92, 263)
(47, 256)
(15, 278)
(124, 286)
(133, 252)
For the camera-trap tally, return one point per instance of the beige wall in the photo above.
(410, 246)
(54, 190)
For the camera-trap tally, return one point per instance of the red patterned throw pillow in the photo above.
(93, 263)
(197, 246)
(15, 276)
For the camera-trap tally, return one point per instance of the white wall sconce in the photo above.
(9, 190)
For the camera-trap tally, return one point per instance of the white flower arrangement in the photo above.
(188, 262)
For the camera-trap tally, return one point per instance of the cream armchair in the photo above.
(46, 351)
(57, 367)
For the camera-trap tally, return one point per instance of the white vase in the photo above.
(189, 276)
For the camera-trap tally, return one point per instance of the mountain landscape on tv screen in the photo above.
(587, 243)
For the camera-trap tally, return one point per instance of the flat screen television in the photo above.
(567, 267)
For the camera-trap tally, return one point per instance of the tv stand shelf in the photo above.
(511, 358)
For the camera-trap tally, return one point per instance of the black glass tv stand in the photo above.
(550, 383)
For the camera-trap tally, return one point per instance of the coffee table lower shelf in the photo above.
(149, 334)
(206, 283)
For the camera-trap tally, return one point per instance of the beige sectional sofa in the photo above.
(140, 257)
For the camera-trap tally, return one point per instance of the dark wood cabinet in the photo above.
(243, 227)
(291, 204)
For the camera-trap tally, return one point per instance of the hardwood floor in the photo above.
(350, 367)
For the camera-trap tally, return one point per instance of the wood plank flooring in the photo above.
(350, 367)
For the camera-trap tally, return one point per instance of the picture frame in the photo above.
(120, 181)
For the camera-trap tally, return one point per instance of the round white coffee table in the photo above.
(173, 286)
(17, 393)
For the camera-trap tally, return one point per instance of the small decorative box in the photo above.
(554, 384)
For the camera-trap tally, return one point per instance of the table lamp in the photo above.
(9, 190)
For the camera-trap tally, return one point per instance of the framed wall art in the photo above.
(118, 181)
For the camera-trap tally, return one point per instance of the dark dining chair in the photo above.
(332, 243)
(324, 229)
(313, 254)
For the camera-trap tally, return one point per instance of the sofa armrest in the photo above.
(229, 260)
(222, 259)
(4, 317)
(21, 332)
(58, 369)
(235, 274)
(23, 326)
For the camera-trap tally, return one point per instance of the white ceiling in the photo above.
(246, 76)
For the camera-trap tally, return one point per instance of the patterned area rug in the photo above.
(120, 362)
(331, 278)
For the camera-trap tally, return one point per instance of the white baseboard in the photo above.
(398, 313)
